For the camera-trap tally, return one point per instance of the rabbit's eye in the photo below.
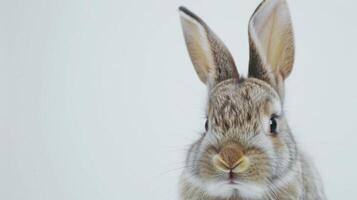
(206, 125)
(273, 125)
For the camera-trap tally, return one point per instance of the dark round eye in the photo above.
(206, 125)
(273, 125)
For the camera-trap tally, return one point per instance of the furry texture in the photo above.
(238, 113)
(242, 155)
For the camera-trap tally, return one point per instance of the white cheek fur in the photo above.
(224, 190)
(251, 190)
(245, 189)
(212, 188)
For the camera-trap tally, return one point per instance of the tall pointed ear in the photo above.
(271, 43)
(210, 57)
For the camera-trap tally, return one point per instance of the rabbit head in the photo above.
(247, 141)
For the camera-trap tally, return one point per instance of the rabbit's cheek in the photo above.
(278, 144)
(260, 165)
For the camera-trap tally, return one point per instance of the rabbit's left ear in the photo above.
(212, 60)
(271, 43)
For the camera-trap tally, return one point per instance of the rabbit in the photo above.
(247, 150)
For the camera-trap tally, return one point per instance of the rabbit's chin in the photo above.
(250, 190)
(226, 189)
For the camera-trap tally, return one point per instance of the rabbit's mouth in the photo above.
(227, 186)
(231, 177)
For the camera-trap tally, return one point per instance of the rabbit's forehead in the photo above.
(249, 92)
(241, 104)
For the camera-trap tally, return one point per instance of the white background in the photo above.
(99, 99)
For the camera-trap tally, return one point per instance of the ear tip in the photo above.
(187, 14)
(182, 8)
(184, 11)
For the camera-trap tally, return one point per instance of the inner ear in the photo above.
(271, 43)
(210, 57)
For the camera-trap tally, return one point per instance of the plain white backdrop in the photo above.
(99, 99)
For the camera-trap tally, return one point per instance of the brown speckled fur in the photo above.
(239, 111)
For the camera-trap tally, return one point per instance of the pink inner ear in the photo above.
(272, 34)
(197, 43)
(210, 57)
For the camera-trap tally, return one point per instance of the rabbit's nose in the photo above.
(231, 159)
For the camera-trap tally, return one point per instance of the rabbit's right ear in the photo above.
(210, 57)
(271, 42)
